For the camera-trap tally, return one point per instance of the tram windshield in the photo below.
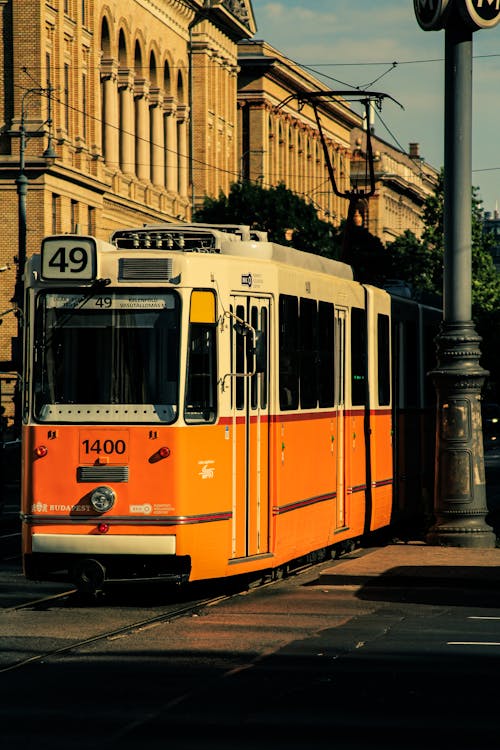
(106, 358)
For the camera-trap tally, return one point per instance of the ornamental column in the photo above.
(183, 151)
(127, 135)
(110, 141)
(171, 146)
(157, 139)
(142, 134)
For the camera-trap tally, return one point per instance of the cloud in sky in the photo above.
(356, 41)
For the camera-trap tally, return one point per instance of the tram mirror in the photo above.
(260, 352)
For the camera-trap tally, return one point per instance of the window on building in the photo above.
(48, 76)
(66, 96)
(56, 212)
(84, 106)
(91, 220)
(74, 216)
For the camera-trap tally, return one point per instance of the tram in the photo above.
(199, 402)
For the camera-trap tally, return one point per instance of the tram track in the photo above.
(123, 630)
(70, 599)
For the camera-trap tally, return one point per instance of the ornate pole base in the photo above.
(460, 489)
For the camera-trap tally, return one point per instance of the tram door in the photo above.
(250, 433)
(340, 358)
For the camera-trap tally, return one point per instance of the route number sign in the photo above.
(68, 258)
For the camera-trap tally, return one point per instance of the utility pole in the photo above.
(460, 489)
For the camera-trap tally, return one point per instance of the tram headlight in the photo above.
(102, 499)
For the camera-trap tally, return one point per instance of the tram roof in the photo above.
(227, 239)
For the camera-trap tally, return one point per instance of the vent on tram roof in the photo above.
(102, 474)
(145, 269)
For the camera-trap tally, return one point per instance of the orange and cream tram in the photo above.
(198, 403)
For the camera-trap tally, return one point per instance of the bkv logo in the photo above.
(246, 279)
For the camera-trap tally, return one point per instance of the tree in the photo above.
(287, 218)
(420, 262)
(366, 254)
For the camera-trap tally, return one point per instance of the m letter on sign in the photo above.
(431, 13)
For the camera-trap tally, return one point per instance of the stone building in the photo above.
(403, 181)
(123, 112)
(115, 113)
(279, 136)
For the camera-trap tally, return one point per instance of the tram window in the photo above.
(326, 369)
(383, 358)
(308, 352)
(240, 350)
(358, 357)
(288, 352)
(410, 373)
(107, 354)
(254, 322)
(201, 385)
(264, 346)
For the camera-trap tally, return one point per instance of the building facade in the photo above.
(115, 113)
(121, 112)
(403, 182)
(279, 139)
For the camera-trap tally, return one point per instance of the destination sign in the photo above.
(133, 302)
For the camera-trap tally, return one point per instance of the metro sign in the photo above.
(481, 14)
(431, 13)
(477, 14)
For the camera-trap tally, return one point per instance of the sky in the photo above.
(378, 45)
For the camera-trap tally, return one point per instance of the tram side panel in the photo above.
(322, 492)
(414, 327)
(303, 465)
(380, 429)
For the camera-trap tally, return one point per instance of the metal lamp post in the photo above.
(460, 491)
(22, 192)
(22, 182)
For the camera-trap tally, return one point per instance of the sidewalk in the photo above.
(415, 562)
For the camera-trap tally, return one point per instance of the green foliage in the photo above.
(366, 254)
(288, 219)
(420, 262)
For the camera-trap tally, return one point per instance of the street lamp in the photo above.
(22, 191)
